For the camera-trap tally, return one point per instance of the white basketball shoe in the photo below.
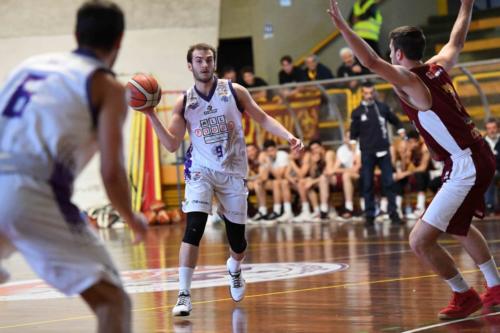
(183, 306)
(236, 285)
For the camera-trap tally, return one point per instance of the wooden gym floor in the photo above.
(330, 277)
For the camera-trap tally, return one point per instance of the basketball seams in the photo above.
(141, 90)
(138, 86)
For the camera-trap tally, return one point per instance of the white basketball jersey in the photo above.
(47, 125)
(215, 127)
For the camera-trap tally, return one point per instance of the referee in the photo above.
(369, 126)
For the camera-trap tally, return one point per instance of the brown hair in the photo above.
(200, 46)
(410, 40)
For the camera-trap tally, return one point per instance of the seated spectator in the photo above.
(316, 70)
(419, 168)
(435, 175)
(249, 80)
(347, 166)
(493, 139)
(256, 179)
(350, 67)
(290, 73)
(310, 185)
(276, 162)
(330, 179)
(400, 161)
(229, 73)
(295, 175)
(412, 172)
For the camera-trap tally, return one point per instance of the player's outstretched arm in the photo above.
(448, 56)
(400, 77)
(109, 95)
(171, 137)
(268, 123)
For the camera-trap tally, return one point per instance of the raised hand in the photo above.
(336, 15)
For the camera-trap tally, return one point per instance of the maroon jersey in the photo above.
(446, 127)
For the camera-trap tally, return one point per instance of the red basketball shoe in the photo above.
(461, 305)
(491, 299)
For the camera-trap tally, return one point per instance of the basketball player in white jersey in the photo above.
(216, 163)
(56, 111)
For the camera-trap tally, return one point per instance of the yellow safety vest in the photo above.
(367, 29)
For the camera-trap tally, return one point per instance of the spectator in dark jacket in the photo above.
(316, 70)
(249, 80)
(369, 125)
(290, 73)
(350, 67)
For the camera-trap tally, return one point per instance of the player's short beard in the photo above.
(198, 77)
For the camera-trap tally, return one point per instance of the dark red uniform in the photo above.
(452, 137)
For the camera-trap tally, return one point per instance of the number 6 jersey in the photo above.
(47, 124)
(216, 132)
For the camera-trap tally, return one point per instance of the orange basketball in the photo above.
(144, 92)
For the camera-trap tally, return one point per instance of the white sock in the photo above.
(316, 210)
(263, 210)
(288, 208)
(383, 204)
(362, 204)
(323, 208)
(185, 278)
(490, 273)
(306, 208)
(458, 284)
(277, 208)
(399, 204)
(233, 265)
(349, 205)
(421, 201)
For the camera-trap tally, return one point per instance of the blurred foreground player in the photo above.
(432, 104)
(57, 110)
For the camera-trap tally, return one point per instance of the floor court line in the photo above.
(344, 285)
(449, 322)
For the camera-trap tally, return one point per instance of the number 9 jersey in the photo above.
(216, 132)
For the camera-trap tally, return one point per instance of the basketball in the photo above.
(144, 92)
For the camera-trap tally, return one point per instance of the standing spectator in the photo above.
(366, 21)
(493, 139)
(369, 124)
(290, 73)
(316, 70)
(350, 66)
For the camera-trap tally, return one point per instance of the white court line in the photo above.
(420, 329)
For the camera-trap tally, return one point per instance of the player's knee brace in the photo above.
(195, 226)
(236, 236)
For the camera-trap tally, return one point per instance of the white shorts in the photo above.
(465, 180)
(231, 192)
(64, 252)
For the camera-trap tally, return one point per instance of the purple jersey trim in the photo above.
(210, 94)
(61, 183)
(188, 162)
(238, 105)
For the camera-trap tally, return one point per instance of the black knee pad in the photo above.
(195, 227)
(236, 236)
